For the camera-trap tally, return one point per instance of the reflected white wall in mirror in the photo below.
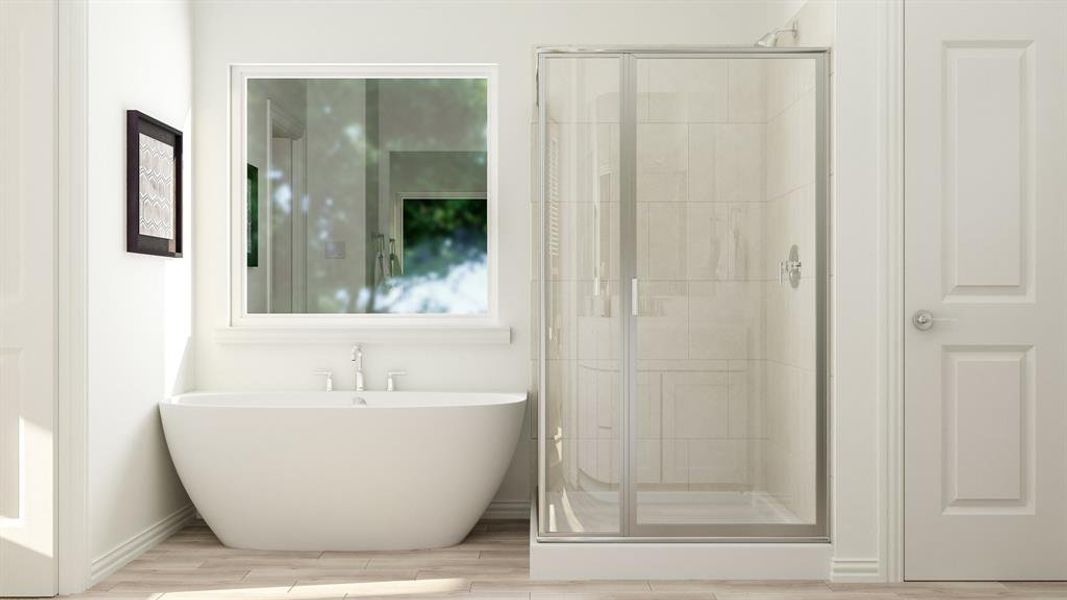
(365, 194)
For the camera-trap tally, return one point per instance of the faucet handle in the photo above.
(357, 353)
(390, 379)
(329, 378)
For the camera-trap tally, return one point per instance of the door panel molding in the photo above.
(1001, 478)
(988, 205)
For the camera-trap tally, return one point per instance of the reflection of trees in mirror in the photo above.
(445, 258)
(442, 232)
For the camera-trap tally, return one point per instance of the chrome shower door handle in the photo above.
(633, 297)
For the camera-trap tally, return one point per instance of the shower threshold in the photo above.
(676, 560)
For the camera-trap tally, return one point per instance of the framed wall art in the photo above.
(153, 186)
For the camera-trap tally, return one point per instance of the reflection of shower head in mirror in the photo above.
(394, 261)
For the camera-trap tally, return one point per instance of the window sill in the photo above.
(392, 334)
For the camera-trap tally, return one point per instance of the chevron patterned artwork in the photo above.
(156, 178)
(153, 186)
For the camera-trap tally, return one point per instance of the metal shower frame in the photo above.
(629, 529)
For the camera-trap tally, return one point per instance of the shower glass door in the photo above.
(726, 422)
(684, 294)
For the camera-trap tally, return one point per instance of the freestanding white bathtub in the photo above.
(324, 471)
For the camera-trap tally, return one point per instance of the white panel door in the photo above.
(27, 297)
(986, 255)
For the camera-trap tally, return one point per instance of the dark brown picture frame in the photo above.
(136, 124)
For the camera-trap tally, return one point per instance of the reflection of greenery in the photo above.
(253, 216)
(445, 260)
(442, 233)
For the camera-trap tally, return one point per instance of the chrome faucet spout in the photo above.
(357, 358)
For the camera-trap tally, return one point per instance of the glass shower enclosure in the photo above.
(684, 282)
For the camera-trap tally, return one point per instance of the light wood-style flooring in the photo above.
(492, 563)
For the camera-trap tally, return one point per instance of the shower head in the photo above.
(771, 39)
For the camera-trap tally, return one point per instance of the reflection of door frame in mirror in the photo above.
(396, 225)
(282, 125)
(245, 326)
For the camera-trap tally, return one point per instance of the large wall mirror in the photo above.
(365, 192)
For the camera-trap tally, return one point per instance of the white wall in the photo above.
(857, 30)
(781, 12)
(504, 33)
(858, 276)
(139, 306)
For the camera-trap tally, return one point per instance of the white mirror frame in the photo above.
(245, 327)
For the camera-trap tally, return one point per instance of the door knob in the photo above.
(924, 320)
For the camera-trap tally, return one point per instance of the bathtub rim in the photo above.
(341, 399)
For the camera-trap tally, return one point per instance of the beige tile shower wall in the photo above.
(789, 420)
(726, 381)
(700, 212)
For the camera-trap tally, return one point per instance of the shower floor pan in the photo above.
(598, 512)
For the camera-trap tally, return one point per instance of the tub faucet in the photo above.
(357, 357)
(328, 374)
(390, 379)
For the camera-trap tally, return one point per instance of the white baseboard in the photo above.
(856, 570)
(120, 555)
(501, 510)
